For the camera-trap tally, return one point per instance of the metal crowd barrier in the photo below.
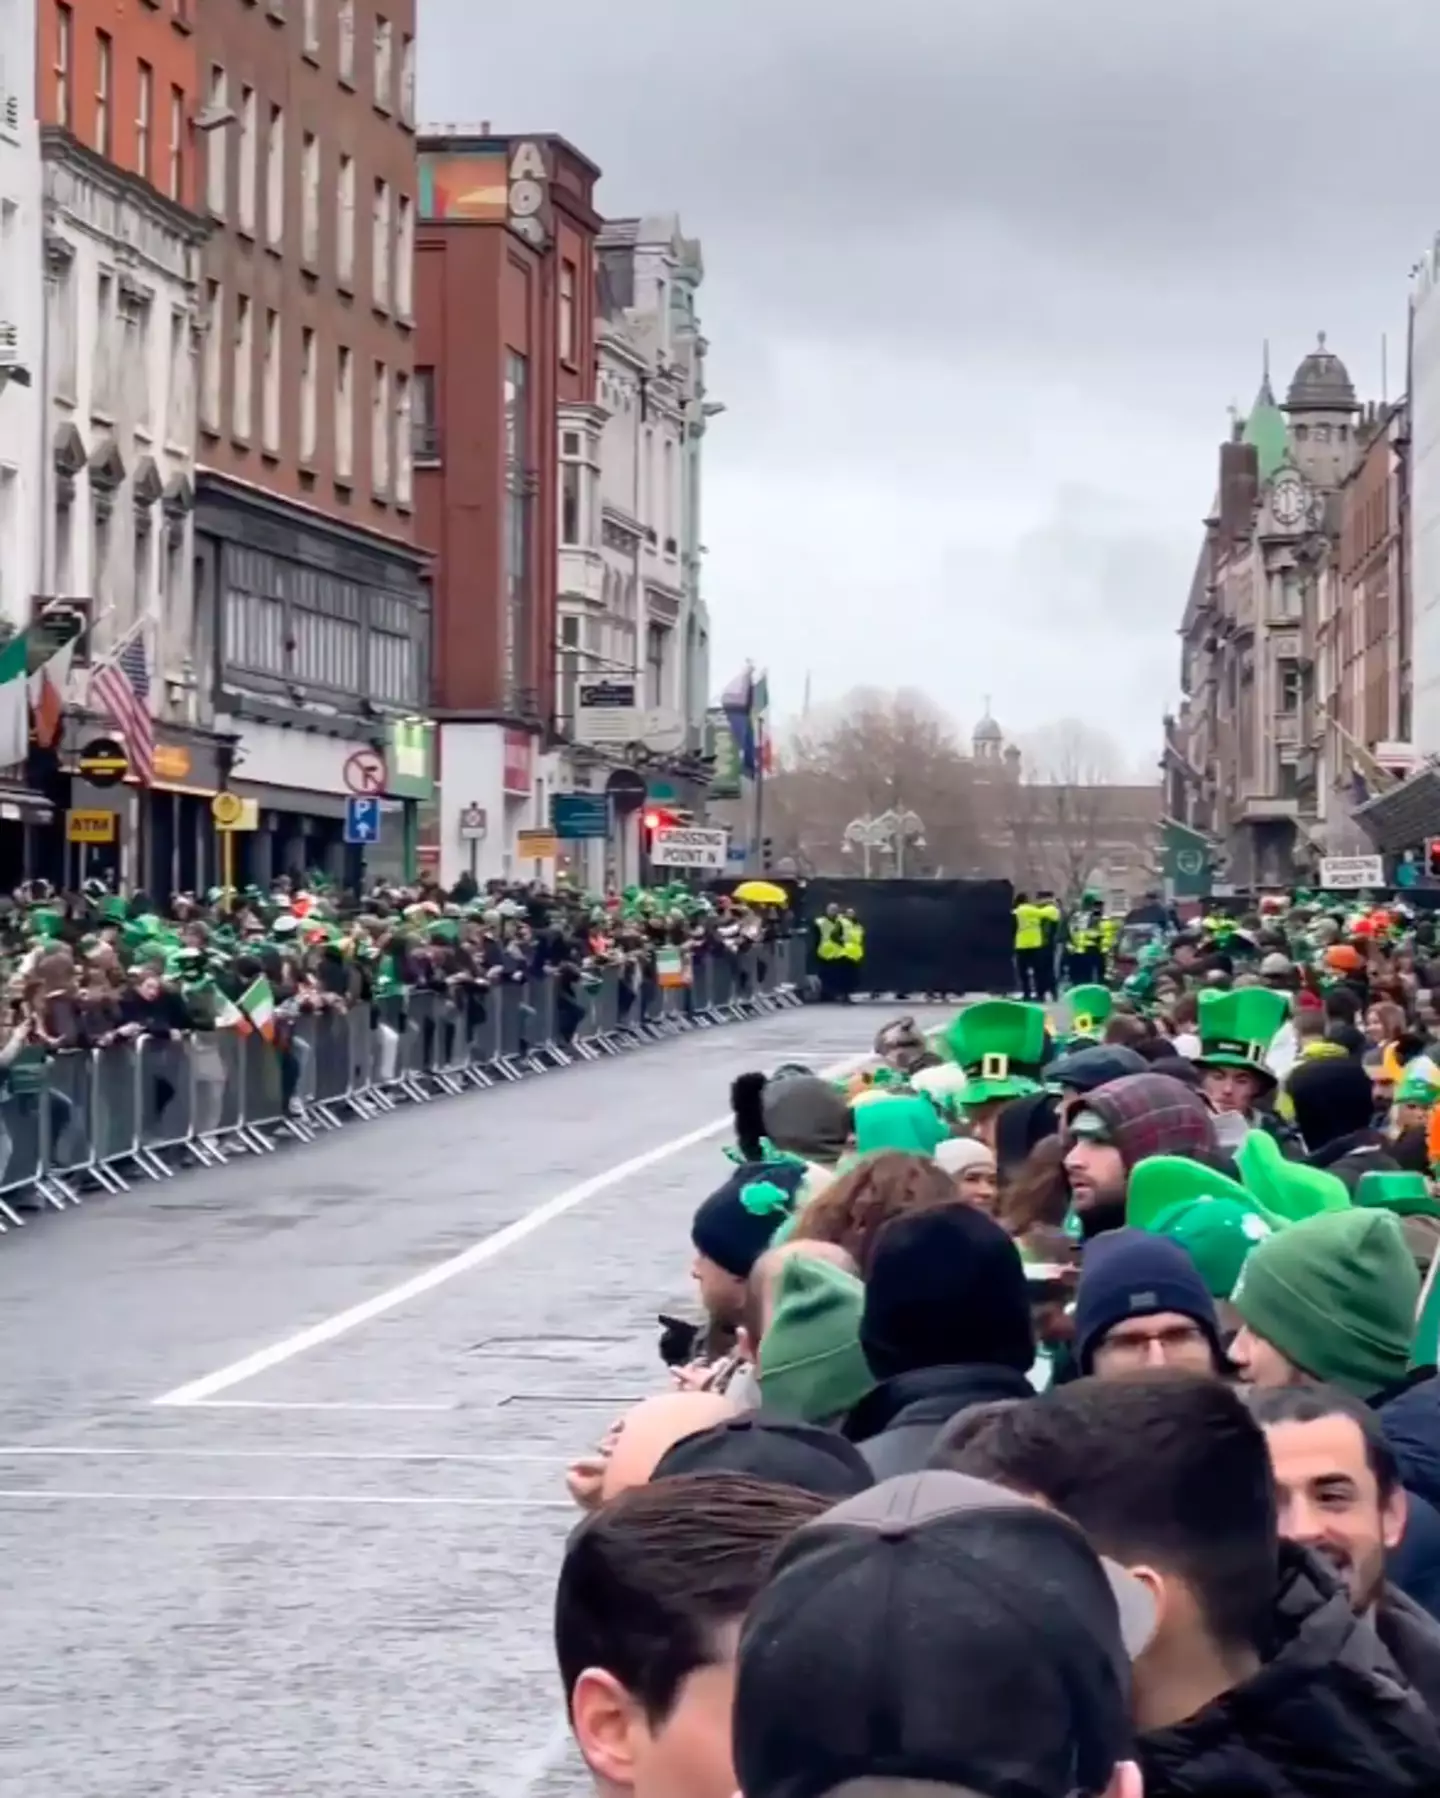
(98, 1120)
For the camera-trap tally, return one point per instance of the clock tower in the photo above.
(1322, 409)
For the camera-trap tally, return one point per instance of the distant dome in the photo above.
(1322, 384)
(988, 731)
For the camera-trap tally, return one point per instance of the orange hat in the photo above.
(1344, 959)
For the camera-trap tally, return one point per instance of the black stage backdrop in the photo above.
(925, 936)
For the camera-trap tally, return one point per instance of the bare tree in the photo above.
(1064, 806)
(875, 752)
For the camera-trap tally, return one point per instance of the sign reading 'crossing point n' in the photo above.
(1349, 873)
(682, 846)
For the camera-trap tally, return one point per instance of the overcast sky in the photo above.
(982, 278)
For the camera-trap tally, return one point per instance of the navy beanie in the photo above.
(1132, 1273)
(946, 1288)
(734, 1225)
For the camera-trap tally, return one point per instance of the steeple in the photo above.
(1265, 429)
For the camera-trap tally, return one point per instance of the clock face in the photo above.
(1288, 500)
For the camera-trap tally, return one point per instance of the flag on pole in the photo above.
(257, 1002)
(228, 1015)
(14, 702)
(49, 689)
(121, 687)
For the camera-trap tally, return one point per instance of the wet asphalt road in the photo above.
(332, 1579)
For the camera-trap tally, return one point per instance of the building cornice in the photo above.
(225, 489)
(60, 148)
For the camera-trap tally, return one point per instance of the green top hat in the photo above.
(1213, 1218)
(999, 1045)
(1407, 1195)
(1237, 1028)
(1289, 1189)
(1090, 1009)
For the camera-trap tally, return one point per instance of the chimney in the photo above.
(1239, 489)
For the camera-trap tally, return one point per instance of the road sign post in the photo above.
(474, 824)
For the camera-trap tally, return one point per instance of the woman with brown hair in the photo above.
(853, 1210)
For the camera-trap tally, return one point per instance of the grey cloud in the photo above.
(937, 234)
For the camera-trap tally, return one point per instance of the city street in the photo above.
(323, 1562)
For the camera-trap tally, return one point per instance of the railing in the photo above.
(97, 1120)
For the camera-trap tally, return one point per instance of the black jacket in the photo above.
(1412, 1640)
(1329, 1715)
(1351, 1157)
(896, 1424)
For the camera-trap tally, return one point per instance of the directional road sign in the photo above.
(362, 819)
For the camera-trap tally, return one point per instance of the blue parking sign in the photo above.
(362, 819)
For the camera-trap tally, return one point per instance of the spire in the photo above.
(1265, 429)
(1266, 395)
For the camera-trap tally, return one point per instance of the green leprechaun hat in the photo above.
(1213, 1218)
(1237, 1028)
(1090, 1009)
(1289, 1189)
(1406, 1194)
(999, 1045)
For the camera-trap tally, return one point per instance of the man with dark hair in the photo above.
(1338, 1485)
(1117, 1126)
(647, 1617)
(1259, 1673)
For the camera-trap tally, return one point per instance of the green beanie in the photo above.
(812, 1368)
(910, 1124)
(1336, 1295)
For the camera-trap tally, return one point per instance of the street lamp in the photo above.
(891, 831)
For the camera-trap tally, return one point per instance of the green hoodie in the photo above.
(812, 1368)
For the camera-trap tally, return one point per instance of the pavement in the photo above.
(324, 1568)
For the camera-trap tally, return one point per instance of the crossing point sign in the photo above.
(684, 846)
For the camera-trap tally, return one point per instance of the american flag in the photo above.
(122, 688)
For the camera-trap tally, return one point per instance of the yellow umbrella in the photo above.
(761, 892)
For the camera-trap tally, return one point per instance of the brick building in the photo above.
(121, 77)
(305, 540)
(505, 303)
(1364, 634)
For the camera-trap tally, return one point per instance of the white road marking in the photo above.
(74, 1451)
(50, 1495)
(281, 1404)
(477, 1255)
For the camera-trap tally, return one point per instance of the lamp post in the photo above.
(892, 831)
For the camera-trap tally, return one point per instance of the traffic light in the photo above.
(1432, 857)
(767, 853)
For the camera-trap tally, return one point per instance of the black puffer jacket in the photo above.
(896, 1424)
(1329, 1715)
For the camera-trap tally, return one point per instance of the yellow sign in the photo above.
(90, 827)
(172, 762)
(536, 845)
(231, 812)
